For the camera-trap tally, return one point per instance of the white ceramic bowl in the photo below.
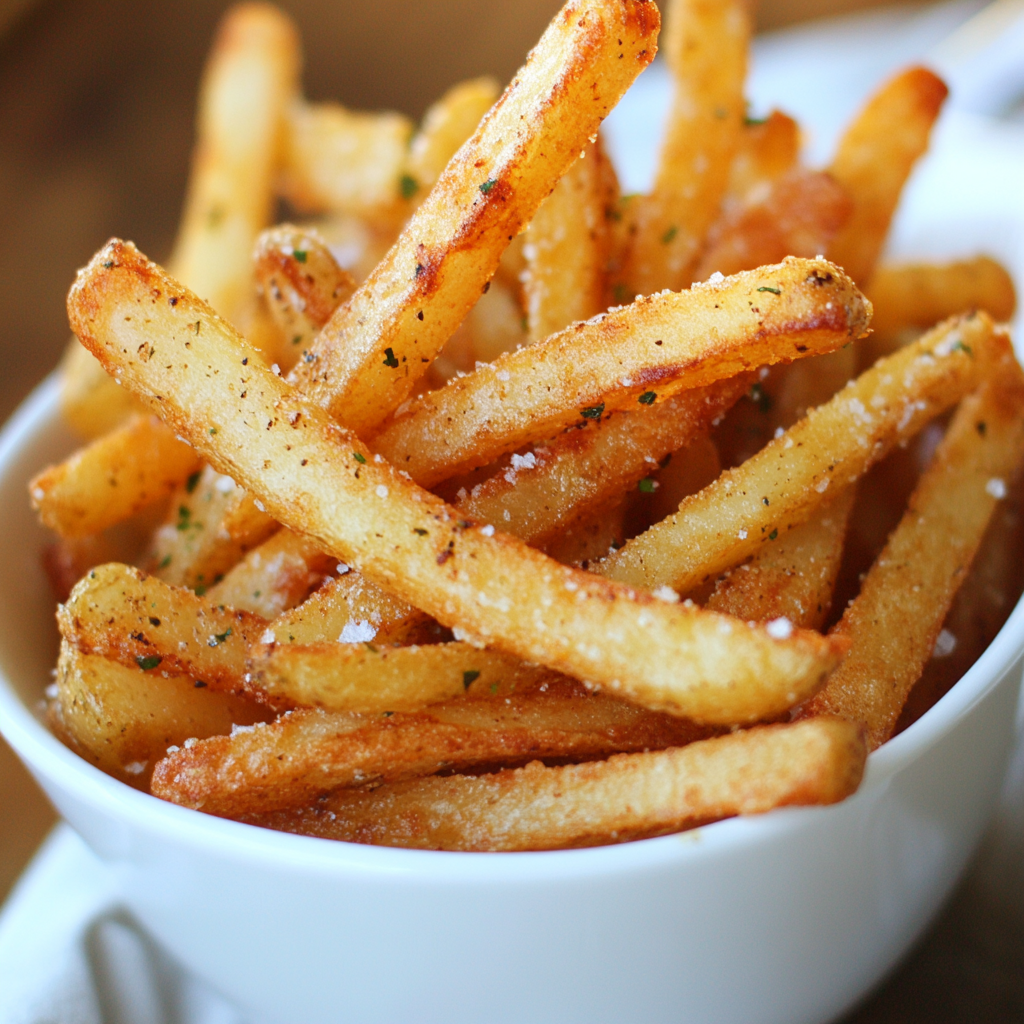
(785, 918)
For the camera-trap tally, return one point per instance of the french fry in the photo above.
(874, 160)
(376, 346)
(767, 150)
(122, 719)
(895, 620)
(625, 797)
(799, 216)
(795, 577)
(568, 244)
(113, 478)
(307, 753)
(198, 371)
(446, 126)
(591, 538)
(369, 679)
(123, 614)
(659, 346)
(831, 447)
(340, 161)
(706, 44)
(250, 77)
(301, 283)
(92, 402)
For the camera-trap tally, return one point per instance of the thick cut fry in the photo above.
(340, 161)
(794, 578)
(274, 577)
(706, 45)
(766, 151)
(446, 126)
(798, 217)
(307, 753)
(895, 620)
(251, 74)
(370, 679)
(568, 244)
(625, 797)
(913, 296)
(659, 346)
(122, 719)
(779, 487)
(874, 160)
(183, 359)
(90, 400)
(123, 614)
(375, 348)
(112, 478)
(301, 283)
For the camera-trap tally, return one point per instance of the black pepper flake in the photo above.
(173, 300)
(419, 530)
(419, 315)
(773, 534)
(981, 426)
(154, 621)
(200, 684)
(389, 358)
(192, 481)
(765, 501)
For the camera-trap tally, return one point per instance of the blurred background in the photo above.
(97, 102)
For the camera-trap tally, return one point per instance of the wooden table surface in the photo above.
(96, 114)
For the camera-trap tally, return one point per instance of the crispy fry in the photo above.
(375, 348)
(307, 753)
(625, 797)
(446, 126)
(568, 244)
(301, 283)
(123, 719)
(112, 478)
(874, 160)
(492, 586)
(895, 620)
(779, 487)
(336, 160)
(706, 45)
(366, 678)
(660, 345)
(125, 615)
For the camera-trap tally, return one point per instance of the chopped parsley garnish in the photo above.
(219, 638)
(165, 561)
(389, 358)
(767, 288)
(592, 412)
(190, 483)
(184, 517)
(213, 430)
(959, 346)
(148, 662)
(621, 294)
(300, 255)
(669, 235)
(773, 534)
(468, 676)
(488, 185)
(647, 398)
(647, 485)
(361, 459)
(408, 186)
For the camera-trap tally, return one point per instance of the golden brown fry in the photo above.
(191, 364)
(779, 487)
(591, 538)
(370, 679)
(446, 126)
(913, 296)
(706, 43)
(659, 346)
(895, 620)
(307, 753)
(301, 283)
(799, 216)
(766, 151)
(123, 614)
(568, 244)
(250, 76)
(122, 719)
(90, 400)
(341, 161)
(625, 797)
(274, 577)
(112, 478)
(794, 578)
(375, 348)
(874, 160)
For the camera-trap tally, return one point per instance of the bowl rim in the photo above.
(48, 759)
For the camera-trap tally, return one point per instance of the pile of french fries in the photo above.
(490, 509)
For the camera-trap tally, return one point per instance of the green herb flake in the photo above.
(213, 430)
(488, 185)
(768, 288)
(647, 398)
(773, 535)
(300, 255)
(200, 589)
(592, 412)
(494, 687)
(669, 235)
(621, 294)
(370, 647)
(184, 518)
(468, 676)
(219, 638)
(297, 340)
(192, 481)
(647, 485)
(959, 346)
(361, 459)
(389, 358)
(408, 186)
(164, 562)
(148, 662)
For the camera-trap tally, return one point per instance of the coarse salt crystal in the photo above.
(267, 637)
(381, 491)
(276, 370)
(504, 375)
(665, 593)
(135, 767)
(996, 487)
(742, 535)
(945, 644)
(822, 485)
(342, 568)
(462, 494)
(780, 628)
(716, 277)
(52, 691)
(361, 632)
(487, 531)
(527, 461)
(259, 504)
